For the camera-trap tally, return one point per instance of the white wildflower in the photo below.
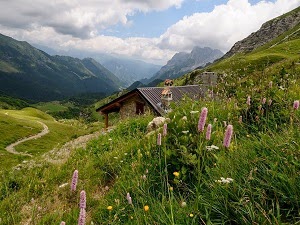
(63, 185)
(183, 204)
(212, 147)
(185, 131)
(194, 112)
(225, 181)
(184, 118)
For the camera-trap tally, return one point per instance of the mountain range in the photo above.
(126, 69)
(29, 73)
(184, 62)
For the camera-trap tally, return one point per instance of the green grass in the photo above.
(262, 161)
(18, 124)
(54, 106)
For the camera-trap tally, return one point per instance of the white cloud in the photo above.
(224, 26)
(71, 25)
(82, 19)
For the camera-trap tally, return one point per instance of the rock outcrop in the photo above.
(266, 33)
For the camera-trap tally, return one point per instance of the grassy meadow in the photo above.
(18, 124)
(186, 179)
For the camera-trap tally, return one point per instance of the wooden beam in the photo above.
(106, 120)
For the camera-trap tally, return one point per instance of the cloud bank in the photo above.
(75, 24)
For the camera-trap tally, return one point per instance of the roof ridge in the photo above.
(193, 85)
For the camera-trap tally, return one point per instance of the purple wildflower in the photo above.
(159, 139)
(240, 119)
(270, 102)
(208, 132)
(270, 84)
(81, 219)
(248, 101)
(128, 197)
(227, 136)
(165, 129)
(74, 180)
(202, 119)
(82, 200)
(296, 105)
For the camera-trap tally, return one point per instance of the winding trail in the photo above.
(60, 155)
(11, 148)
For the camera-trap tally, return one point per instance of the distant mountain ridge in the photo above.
(184, 62)
(29, 73)
(266, 33)
(126, 69)
(129, 71)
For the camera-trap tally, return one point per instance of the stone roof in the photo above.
(152, 95)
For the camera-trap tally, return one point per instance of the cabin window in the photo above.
(139, 108)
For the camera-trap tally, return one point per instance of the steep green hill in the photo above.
(279, 54)
(29, 73)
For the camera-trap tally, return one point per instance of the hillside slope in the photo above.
(279, 55)
(29, 73)
(268, 31)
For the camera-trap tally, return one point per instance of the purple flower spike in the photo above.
(296, 105)
(165, 129)
(82, 200)
(202, 119)
(270, 102)
(74, 180)
(208, 132)
(159, 139)
(240, 119)
(81, 219)
(129, 199)
(248, 101)
(228, 135)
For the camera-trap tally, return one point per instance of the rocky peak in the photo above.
(266, 33)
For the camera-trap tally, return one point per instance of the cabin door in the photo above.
(139, 108)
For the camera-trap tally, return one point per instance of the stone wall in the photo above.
(128, 108)
(206, 80)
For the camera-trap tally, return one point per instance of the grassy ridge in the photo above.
(18, 124)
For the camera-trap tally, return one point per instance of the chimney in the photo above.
(166, 95)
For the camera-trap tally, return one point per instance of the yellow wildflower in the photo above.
(191, 215)
(146, 208)
(171, 188)
(176, 174)
(109, 208)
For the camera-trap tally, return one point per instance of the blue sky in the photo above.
(153, 24)
(148, 30)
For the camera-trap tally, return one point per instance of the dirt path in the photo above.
(58, 156)
(11, 148)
